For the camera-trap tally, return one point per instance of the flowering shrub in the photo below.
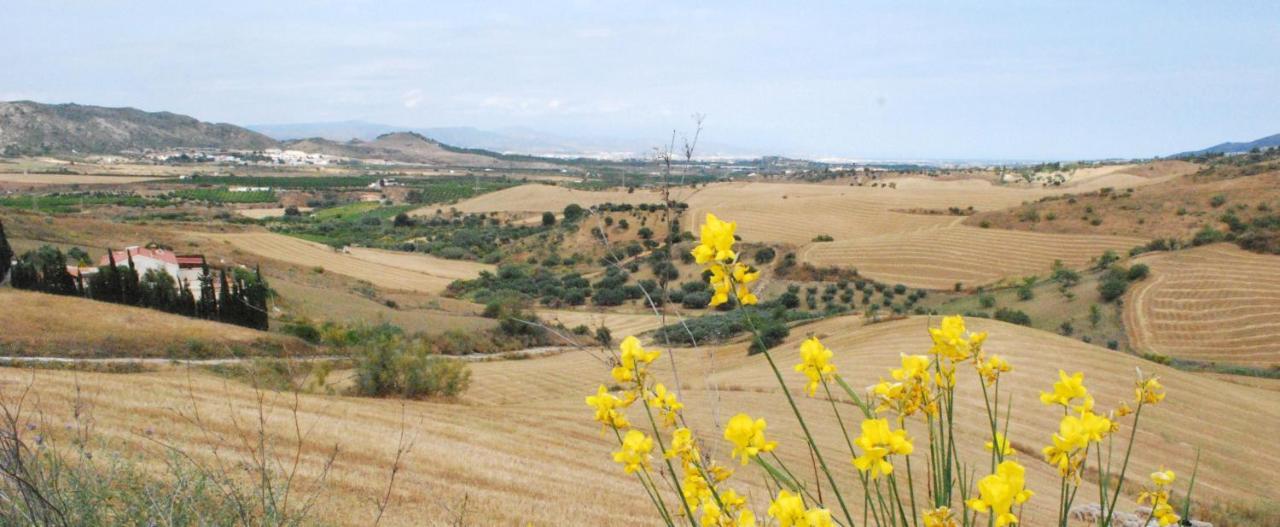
(922, 389)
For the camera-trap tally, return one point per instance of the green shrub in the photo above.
(1138, 272)
(399, 368)
(1013, 316)
(1112, 287)
(987, 301)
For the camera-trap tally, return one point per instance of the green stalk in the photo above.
(800, 418)
(1124, 467)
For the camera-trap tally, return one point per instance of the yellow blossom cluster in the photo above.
(1078, 429)
(728, 275)
(747, 436)
(877, 443)
(790, 511)
(1158, 498)
(815, 364)
(999, 492)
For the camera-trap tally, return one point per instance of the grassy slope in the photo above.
(41, 324)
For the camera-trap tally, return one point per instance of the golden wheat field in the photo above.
(393, 271)
(1214, 303)
(521, 447)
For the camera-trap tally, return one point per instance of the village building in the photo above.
(184, 268)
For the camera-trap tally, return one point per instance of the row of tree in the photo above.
(239, 298)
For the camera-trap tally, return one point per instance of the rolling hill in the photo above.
(28, 127)
(1270, 141)
(412, 147)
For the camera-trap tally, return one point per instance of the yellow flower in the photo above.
(1164, 514)
(747, 436)
(722, 514)
(719, 473)
(1093, 426)
(722, 281)
(1005, 449)
(717, 241)
(999, 492)
(666, 403)
(1123, 410)
(694, 486)
(1066, 390)
(633, 360)
(1163, 478)
(814, 364)
(606, 406)
(878, 442)
(634, 454)
(914, 367)
(1149, 391)
(940, 517)
(683, 445)
(991, 368)
(790, 511)
(950, 340)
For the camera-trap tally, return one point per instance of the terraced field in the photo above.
(521, 448)
(939, 258)
(394, 271)
(1214, 303)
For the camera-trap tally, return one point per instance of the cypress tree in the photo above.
(226, 304)
(6, 254)
(208, 303)
(129, 282)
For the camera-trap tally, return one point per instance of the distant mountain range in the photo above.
(1271, 141)
(32, 128)
(511, 140)
(28, 127)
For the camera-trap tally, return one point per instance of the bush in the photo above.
(1013, 316)
(765, 255)
(823, 238)
(1113, 345)
(396, 368)
(572, 212)
(772, 333)
(1112, 287)
(1138, 272)
(548, 219)
(696, 300)
(1217, 200)
(987, 301)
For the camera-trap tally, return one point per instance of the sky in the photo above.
(865, 80)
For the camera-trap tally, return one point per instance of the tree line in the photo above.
(239, 298)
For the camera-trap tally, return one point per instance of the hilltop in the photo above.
(28, 127)
(1270, 141)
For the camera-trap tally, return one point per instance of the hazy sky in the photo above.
(893, 79)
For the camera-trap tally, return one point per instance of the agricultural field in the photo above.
(416, 273)
(1216, 303)
(520, 448)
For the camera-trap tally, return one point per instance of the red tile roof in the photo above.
(187, 261)
(122, 257)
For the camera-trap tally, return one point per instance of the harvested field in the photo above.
(408, 272)
(1215, 303)
(71, 179)
(522, 449)
(938, 259)
(542, 198)
(328, 304)
(37, 324)
(619, 324)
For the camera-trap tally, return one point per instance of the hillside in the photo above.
(28, 127)
(521, 447)
(411, 147)
(37, 324)
(1270, 141)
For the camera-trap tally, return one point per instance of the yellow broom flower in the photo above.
(1066, 390)
(878, 442)
(940, 517)
(633, 361)
(634, 454)
(668, 406)
(717, 241)
(1003, 442)
(1149, 391)
(950, 340)
(790, 511)
(815, 364)
(747, 436)
(607, 405)
(999, 492)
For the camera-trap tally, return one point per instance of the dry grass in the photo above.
(327, 303)
(1215, 303)
(71, 179)
(521, 447)
(51, 325)
(393, 271)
